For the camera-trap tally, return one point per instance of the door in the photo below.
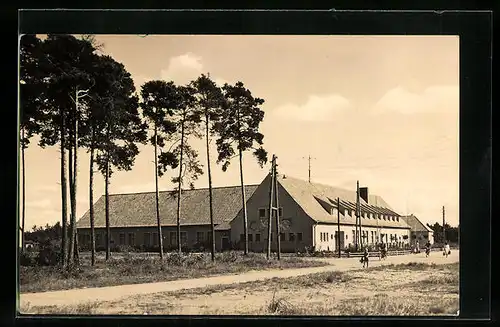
(225, 243)
(339, 241)
(342, 239)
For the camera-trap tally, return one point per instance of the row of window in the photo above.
(374, 237)
(264, 212)
(149, 238)
(292, 237)
(368, 215)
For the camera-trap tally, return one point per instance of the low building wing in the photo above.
(139, 209)
(415, 224)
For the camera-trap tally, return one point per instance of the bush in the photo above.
(124, 249)
(27, 259)
(49, 254)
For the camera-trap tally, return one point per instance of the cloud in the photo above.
(434, 99)
(182, 69)
(317, 108)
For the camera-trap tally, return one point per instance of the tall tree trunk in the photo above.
(71, 233)
(243, 197)
(210, 195)
(160, 236)
(64, 194)
(106, 191)
(179, 192)
(75, 187)
(23, 243)
(91, 201)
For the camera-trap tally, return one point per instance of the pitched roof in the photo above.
(139, 209)
(415, 224)
(313, 197)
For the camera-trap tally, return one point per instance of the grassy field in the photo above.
(133, 269)
(412, 289)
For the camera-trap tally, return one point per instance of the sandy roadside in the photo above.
(78, 296)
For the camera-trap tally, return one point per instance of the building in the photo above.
(419, 231)
(308, 212)
(133, 218)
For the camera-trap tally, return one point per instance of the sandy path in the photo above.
(112, 293)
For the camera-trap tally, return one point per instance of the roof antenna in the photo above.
(309, 159)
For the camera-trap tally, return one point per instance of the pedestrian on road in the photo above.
(446, 249)
(427, 248)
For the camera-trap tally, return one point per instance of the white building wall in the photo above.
(324, 236)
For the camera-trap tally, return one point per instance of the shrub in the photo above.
(49, 254)
(125, 248)
(27, 259)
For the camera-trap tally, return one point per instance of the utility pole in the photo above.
(273, 210)
(309, 158)
(358, 218)
(444, 229)
(338, 225)
(277, 210)
(269, 219)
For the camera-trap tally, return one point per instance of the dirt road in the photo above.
(79, 296)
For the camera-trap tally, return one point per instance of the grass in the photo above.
(80, 309)
(383, 305)
(402, 290)
(131, 269)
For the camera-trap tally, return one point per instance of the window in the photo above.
(384, 217)
(184, 237)
(173, 238)
(332, 237)
(121, 240)
(354, 235)
(209, 237)
(321, 237)
(397, 219)
(282, 237)
(299, 237)
(250, 237)
(147, 239)
(262, 213)
(242, 237)
(291, 237)
(373, 241)
(257, 237)
(155, 239)
(98, 238)
(131, 239)
(200, 237)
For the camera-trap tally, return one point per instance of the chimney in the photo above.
(363, 193)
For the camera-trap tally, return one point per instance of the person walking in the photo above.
(446, 249)
(427, 248)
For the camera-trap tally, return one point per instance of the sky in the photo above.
(379, 109)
